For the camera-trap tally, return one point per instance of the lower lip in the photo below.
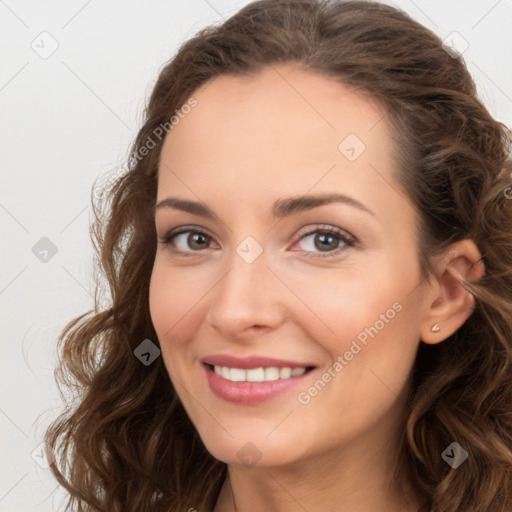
(250, 393)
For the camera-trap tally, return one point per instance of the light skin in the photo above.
(249, 142)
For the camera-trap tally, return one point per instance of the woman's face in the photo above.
(309, 308)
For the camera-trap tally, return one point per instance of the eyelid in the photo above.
(187, 227)
(329, 229)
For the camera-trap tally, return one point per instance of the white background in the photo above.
(71, 117)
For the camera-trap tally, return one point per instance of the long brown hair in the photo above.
(125, 442)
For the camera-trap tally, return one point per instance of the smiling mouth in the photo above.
(267, 374)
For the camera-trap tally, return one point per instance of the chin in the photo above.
(244, 449)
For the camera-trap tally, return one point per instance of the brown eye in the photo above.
(325, 241)
(197, 240)
(187, 241)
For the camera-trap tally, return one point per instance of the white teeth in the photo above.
(271, 373)
(257, 374)
(237, 375)
(285, 373)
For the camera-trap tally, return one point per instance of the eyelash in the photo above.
(330, 230)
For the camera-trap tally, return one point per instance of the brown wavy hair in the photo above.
(124, 441)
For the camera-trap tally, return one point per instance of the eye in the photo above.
(325, 239)
(186, 241)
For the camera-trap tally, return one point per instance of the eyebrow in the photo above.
(283, 207)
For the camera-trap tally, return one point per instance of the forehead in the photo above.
(280, 130)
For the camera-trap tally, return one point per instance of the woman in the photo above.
(310, 266)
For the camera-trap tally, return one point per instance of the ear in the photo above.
(448, 304)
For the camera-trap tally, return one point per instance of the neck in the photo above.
(358, 476)
(276, 491)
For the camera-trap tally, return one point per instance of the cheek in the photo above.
(176, 304)
(161, 300)
(172, 295)
(368, 318)
(337, 305)
(169, 301)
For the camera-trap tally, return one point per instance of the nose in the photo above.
(247, 300)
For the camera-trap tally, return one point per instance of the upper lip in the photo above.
(248, 362)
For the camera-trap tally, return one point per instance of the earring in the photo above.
(435, 328)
